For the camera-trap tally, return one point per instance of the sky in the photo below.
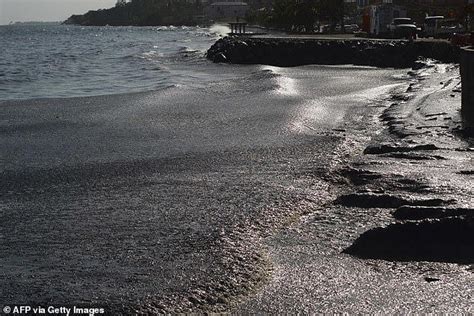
(47, 10)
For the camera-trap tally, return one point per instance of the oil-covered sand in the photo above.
(366, 252)
(227, 198)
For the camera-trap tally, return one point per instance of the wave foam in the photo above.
(219, 29)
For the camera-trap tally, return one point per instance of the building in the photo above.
(221, 11)
(419, 9)
(376, 18)
(452, 9)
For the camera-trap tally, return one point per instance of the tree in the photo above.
(332, 10)
(305, 16)
(283, 14)
(293, 15)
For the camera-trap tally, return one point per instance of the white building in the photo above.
(227, 10)
(382, 15)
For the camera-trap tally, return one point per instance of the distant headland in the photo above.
(143, 13)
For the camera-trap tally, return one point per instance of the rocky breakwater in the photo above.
(295, 51)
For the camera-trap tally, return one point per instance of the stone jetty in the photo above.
(295, 51)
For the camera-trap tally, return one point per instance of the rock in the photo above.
(370, 200)
(400, 97)
(430, 279)
(296, 51)
(419, 64)
(220, 58)
(466, 172)
(442, 240)
(419, 213)
(385, 148)
(360, 176)
(413, 156)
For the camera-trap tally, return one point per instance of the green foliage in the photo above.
(261, 17)
(331, 10)
(141, 13)
(289, 15)
(300, 16)
(294, 15)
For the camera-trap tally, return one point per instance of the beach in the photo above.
(407, 264)
(220, 195)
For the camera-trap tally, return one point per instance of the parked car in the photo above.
(352, 28)
(348, 28)
(398, 21)
(402, 28)
(449, 27)
(439, 27)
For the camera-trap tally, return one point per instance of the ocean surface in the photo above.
(48, 61)
(138, 176)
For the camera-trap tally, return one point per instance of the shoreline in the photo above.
(423, 249)
(301, 180)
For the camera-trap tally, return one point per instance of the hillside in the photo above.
(142, 13)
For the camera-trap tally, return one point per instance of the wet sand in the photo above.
(216, 199)
(409, 265)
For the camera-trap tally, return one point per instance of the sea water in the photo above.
(38, 61)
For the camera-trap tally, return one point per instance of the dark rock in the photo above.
(413, 156)
(430, 279)
(400, 97)
(419, 213)
(220, 58)
(360, 176)
(419, 64)
(296, 51)
(370, 200)
(443, 240)
(385, 148)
